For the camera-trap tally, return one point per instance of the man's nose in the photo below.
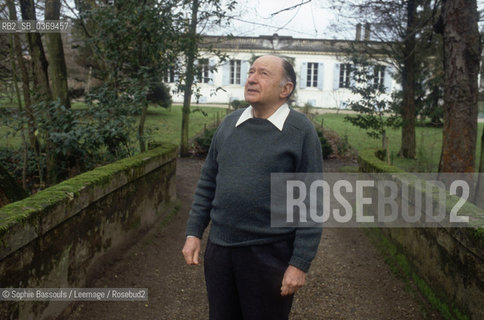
(252, 77)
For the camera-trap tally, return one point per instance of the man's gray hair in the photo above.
(289, 74)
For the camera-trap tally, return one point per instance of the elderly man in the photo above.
(252, 270)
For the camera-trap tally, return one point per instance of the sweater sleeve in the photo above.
(199, 216)
(307, 239)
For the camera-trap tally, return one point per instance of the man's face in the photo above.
(263, 87)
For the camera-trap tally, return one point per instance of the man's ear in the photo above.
(286, 90)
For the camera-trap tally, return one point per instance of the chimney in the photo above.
(275, 41)
(367, 31)
(358, 32)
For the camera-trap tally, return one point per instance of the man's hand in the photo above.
(294, 279)
(191, 250)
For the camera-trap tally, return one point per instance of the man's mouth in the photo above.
(252, 90)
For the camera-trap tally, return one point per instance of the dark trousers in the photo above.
(244, 283)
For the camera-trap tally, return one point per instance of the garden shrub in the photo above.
(204, 140)
(325, 146)
(159, 94)
(237, 104)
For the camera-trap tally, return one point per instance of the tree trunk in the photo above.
(141, 130)
(55, 52)
(461, 67)
(25, 79)
(32, 126)
(190, 54)
(408, 148)
(41, 78)
(19, 102)
(39, 62)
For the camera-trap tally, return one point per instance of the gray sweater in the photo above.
(234, 187)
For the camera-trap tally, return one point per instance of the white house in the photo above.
(323, 75)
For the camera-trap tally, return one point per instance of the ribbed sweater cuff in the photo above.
(300, 263)
(194, 231)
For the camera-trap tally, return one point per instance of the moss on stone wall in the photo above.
(28, 209)
(447, 260)
(403, 267)
(57, 237)
(369, 162)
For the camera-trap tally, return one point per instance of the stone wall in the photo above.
(54, 238)
(450, 260)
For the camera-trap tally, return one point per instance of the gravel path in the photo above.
(347, 280)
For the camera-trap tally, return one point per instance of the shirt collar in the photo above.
(277, 118)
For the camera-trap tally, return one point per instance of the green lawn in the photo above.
(6, 103)
(429, 142)
(6, 138)
(164, 124)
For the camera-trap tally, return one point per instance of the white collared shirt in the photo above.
(277, 118)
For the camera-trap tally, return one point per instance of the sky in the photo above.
(313, 19)
(254, 18)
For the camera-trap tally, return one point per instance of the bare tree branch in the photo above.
(290, 8)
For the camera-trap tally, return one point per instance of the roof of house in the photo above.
(276, 42)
